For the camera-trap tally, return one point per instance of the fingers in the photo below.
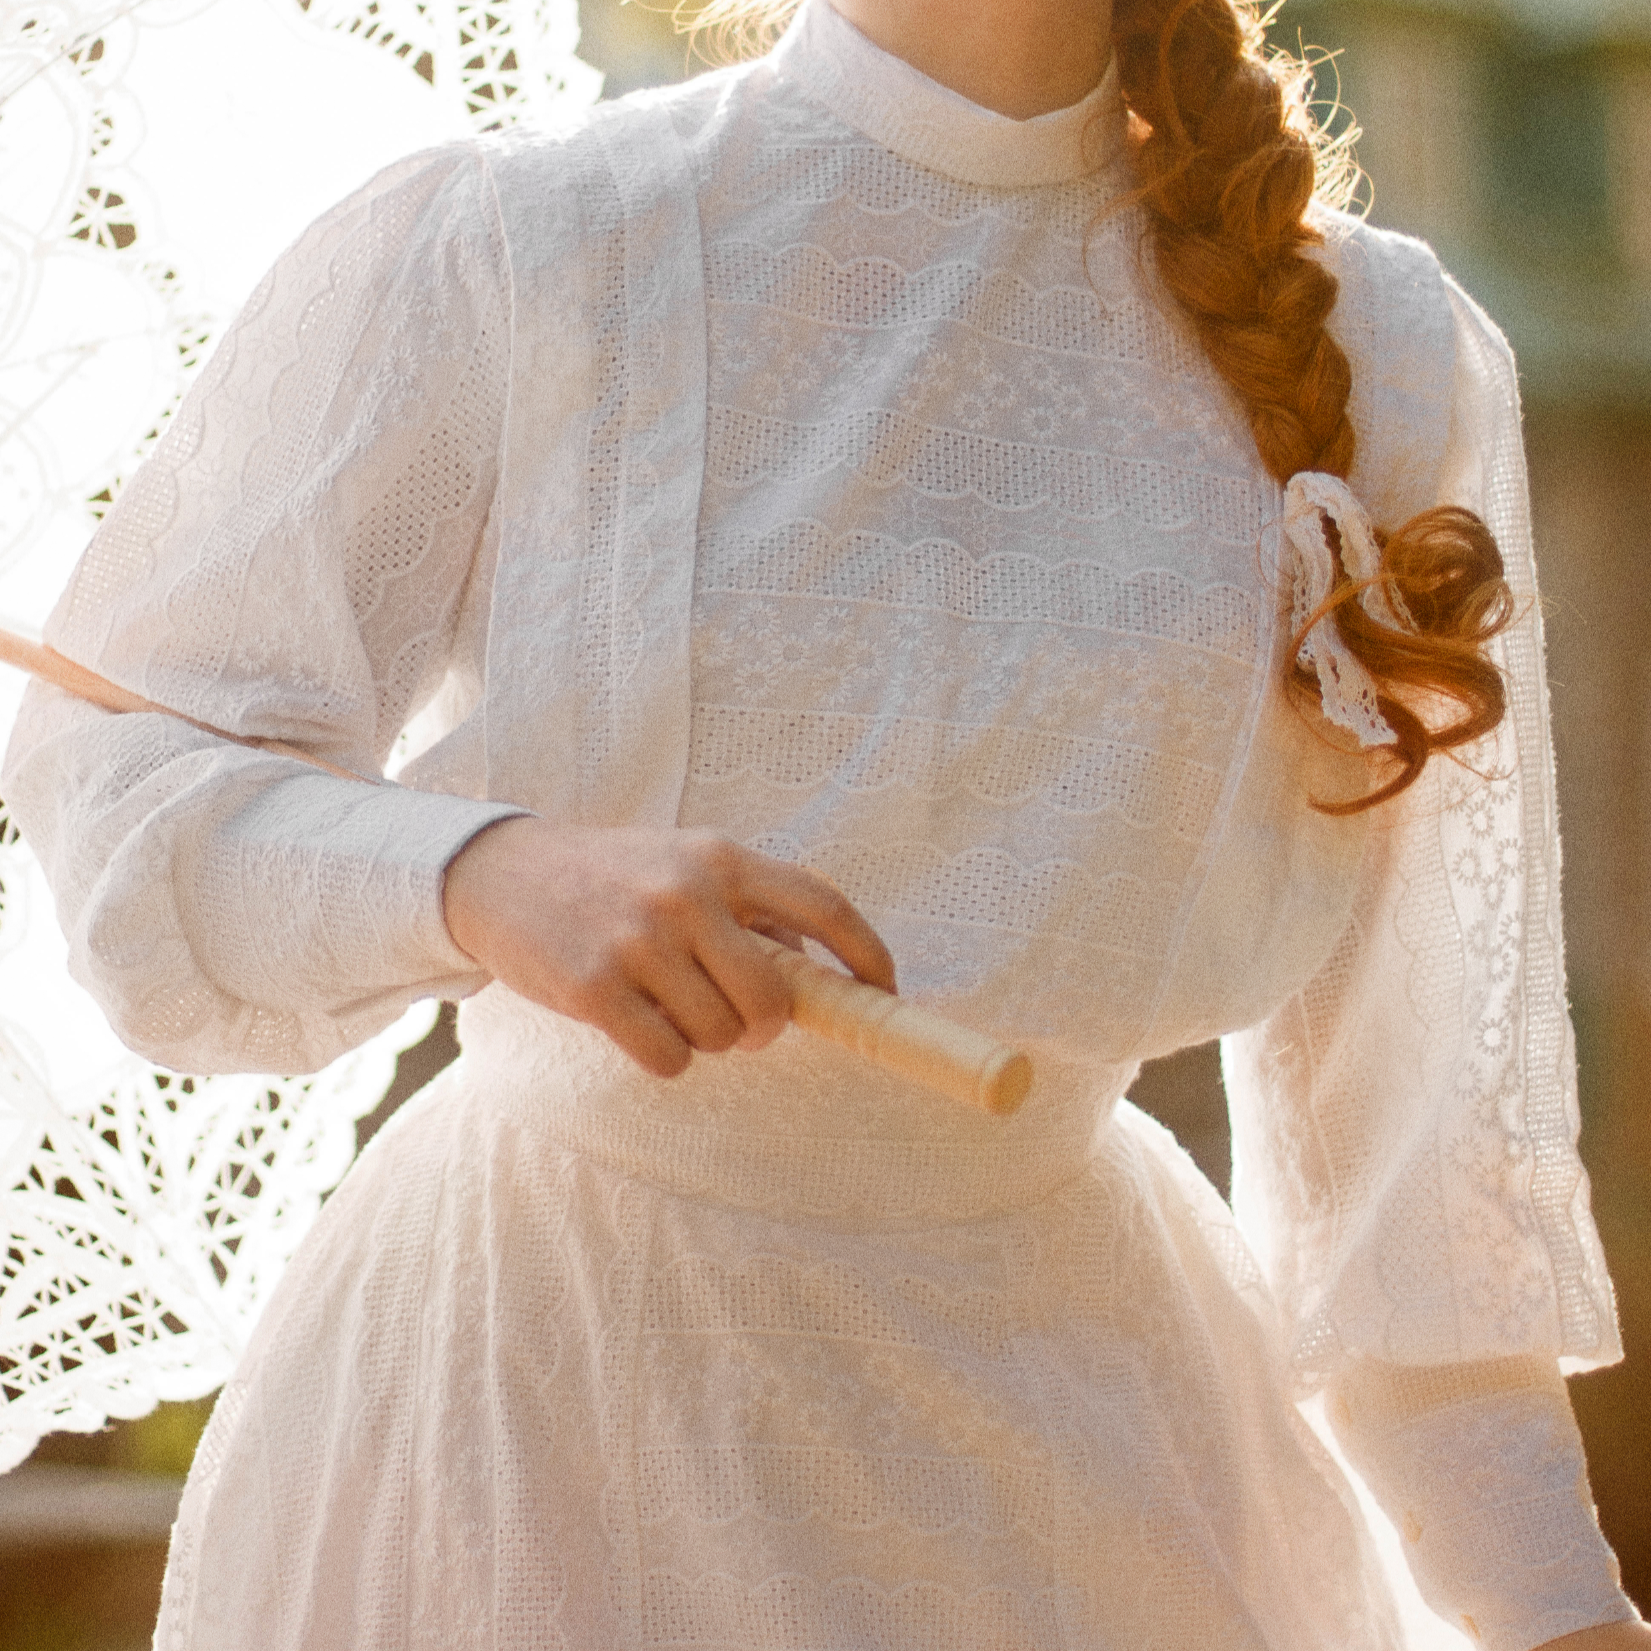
(747, 978)
(810, 903)
(637, 1024)
(737, 995)
(645, 934)
(662, 1037)
(689, 996)
(786, 936)
(718, 990)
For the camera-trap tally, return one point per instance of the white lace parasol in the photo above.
(155, 155)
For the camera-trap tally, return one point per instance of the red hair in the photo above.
(1228, 161)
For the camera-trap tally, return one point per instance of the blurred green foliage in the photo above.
(163, 1442)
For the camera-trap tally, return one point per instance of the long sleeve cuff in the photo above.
(320, 893)
(1481, 1469)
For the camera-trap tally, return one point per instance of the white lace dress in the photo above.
(978, 590)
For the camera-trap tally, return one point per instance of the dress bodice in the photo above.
(803, 1130)
(985, 595)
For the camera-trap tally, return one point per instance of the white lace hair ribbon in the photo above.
(1347, 691)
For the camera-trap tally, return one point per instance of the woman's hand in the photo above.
(643, 933)
(1609, 1636)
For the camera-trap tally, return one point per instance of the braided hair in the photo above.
(1227, 162)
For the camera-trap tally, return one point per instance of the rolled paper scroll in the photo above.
(962, 1064)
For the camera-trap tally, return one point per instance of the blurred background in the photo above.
(1515, 135)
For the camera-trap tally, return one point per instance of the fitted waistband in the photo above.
(803, 1130)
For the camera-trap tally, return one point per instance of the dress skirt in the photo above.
(782, 1355)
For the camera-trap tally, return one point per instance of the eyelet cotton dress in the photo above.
(804, 454)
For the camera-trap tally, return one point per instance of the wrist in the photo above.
(472, 876)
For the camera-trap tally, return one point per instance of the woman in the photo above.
(863, 471)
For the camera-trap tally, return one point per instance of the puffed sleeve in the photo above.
(291, 562)
(1405, 1140)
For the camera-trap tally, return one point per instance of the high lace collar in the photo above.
(919, 119)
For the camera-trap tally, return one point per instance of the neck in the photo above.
(1020, 58)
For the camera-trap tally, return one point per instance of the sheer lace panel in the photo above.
(807, 283)
(1406, 1157)
(1525, 1052)
(936, 760)
(805, 559)
(888, 447)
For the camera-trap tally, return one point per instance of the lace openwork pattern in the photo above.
(725, 1611)
(888, 448)
(1458, 911)
(1531, 1567)
(152, 1213)
(806, 282)
(858, 1490)
(806, 559)
(964, 501)
(150, 1220)
(859, 753)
